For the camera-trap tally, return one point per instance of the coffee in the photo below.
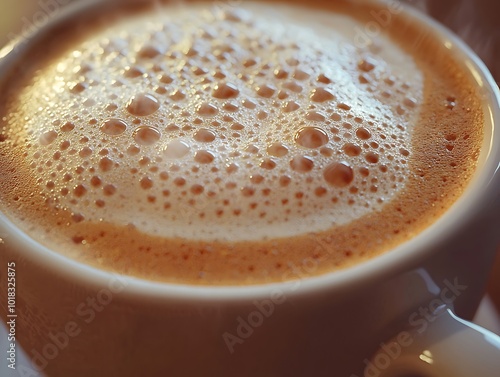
(213, 145)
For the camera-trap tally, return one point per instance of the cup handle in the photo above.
(444, 346)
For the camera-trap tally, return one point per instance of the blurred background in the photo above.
(475, 21)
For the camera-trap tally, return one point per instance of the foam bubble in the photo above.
(266, 91)
(204, 136)
(363, 133)
(226, 91)
(339, 174)
(367, 64)
(277, 150)
(204, 157)
(147, 135)
(302, 164)
(208, 110)
(352, 150)
(279, 125)
(48, 138)
(114, 127)
(133, 72)
(176, 149)
(143, 105)
(291, 106)
(321, 95)
(311, 137)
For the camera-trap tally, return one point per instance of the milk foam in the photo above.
(264, 122)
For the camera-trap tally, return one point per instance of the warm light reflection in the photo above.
(61, 67)
(475, 73)
(59, 86)
(489, 114)
(6, 51)
(426, 356)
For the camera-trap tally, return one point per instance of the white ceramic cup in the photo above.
(391, 316)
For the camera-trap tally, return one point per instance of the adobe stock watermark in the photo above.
(85, 313)
(381, 19)
(35, 22)
(245, 326)
(418, 323)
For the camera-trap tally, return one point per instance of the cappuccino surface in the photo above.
(221, 144)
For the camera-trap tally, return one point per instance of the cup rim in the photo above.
(476, 196)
